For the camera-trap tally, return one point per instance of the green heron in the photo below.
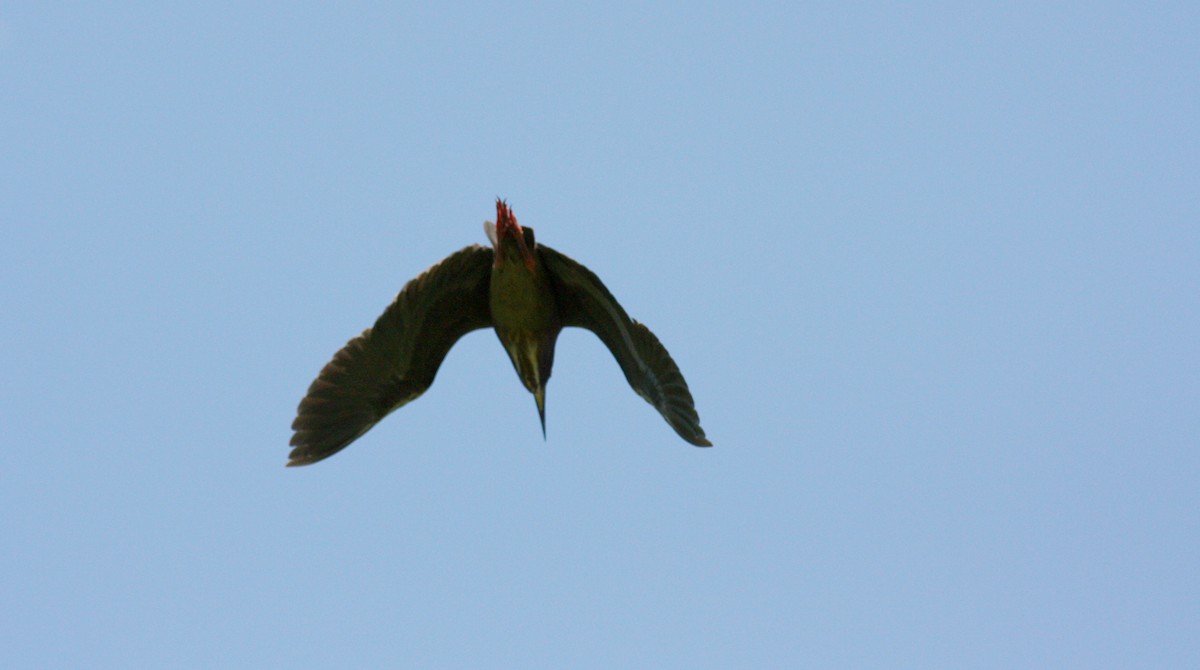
(528, 292)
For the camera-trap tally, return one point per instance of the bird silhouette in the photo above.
(528, 293)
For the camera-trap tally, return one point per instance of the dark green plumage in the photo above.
(527, 293)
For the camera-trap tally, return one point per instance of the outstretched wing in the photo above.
(583, 301)
(394, 361)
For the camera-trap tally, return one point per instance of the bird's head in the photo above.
(513, 243)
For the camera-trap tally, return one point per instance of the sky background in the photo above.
(931, 270)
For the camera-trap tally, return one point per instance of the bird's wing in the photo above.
(394, 361)
(583, 301)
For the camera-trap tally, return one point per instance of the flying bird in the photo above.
(528, 293)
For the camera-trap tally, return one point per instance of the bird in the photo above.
(527, 292)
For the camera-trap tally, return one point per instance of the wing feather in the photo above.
(396, 360)
(583, 301)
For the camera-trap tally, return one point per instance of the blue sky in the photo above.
(931, 271)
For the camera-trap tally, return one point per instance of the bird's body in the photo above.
(527, 293)
(524, 312)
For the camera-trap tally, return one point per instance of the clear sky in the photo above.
(932, 271)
